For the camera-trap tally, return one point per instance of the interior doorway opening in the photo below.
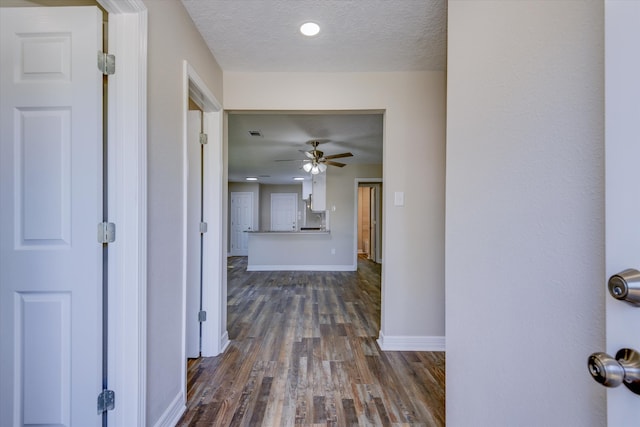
(369, 219)
(204, 326)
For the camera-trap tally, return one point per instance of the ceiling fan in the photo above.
(317, 162)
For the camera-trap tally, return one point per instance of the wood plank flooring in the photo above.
(303, 352)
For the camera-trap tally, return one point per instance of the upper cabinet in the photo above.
(319, 192)
(306, 189)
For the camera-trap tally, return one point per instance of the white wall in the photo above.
(525, 205)
(172, 39)
(413, 157)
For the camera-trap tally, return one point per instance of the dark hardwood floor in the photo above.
(303, 352)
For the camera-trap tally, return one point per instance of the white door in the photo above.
(284, 211)
(241, 222)
(622, 188)
(194, 237)
(51, 198)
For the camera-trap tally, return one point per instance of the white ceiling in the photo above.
(355, 36)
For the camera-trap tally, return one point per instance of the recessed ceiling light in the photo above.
(298, 178)
(310, 29)
(251, 178)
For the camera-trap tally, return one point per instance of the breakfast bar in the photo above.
(303, 250)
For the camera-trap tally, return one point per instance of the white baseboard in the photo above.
(172, 414)
(411, 343)
(341, 267)
(224, 342)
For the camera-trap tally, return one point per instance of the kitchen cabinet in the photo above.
(306, 189)
(319, 192)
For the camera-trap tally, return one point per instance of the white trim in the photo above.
(339, 267)
(119, 7)
(127, 164)
(411, 343)
(173, 413)
(224, 341)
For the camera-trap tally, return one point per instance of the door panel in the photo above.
(622, 152)
(241, 222)
(284, 211)
(194, 216)
(51, 198)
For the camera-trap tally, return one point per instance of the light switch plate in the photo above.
(398, 198)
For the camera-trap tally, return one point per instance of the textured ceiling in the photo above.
(356, 35)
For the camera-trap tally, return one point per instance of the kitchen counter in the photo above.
(301, 250)
(292, 232)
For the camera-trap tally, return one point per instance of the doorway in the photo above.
(369, 219)
(207, 323)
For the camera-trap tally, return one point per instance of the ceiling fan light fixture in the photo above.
(310, 29)
(322, 167)
(307, 167)
(315, 170)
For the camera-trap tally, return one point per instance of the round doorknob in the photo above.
(605, 369)
(610, 372)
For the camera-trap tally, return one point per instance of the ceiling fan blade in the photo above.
(338, 164)
(337, 156)
(309, 154)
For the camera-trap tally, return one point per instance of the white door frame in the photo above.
(214, 334)
(359, 181)
(622, 236)
(127, 169)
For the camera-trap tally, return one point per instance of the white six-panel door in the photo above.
(284, 211)
(241, 222)
(51, 204)
(622, 154)
(194, 216)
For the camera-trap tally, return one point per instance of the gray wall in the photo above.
(414, 163)
(525, 206)
(172, 39)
